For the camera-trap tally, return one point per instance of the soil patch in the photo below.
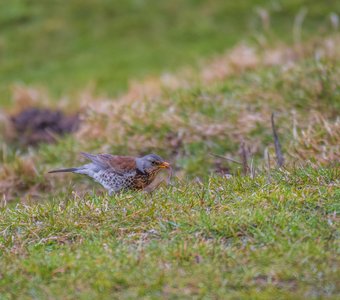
(34, 125)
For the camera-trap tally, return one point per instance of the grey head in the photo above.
(150, 163)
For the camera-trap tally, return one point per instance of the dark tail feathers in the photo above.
(64, 170)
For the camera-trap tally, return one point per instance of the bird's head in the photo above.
(151, 163)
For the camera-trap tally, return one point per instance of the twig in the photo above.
(226, 158)
(244, 158)
(278, 151)
(252, 169)
(266, 157)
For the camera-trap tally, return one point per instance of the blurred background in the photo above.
(101, 44)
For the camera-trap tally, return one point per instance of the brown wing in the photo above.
(119, 164)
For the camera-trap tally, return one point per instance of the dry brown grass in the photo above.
(165, 113)
(19, 176)
(319, 142)
(243, 58)
(114, 120)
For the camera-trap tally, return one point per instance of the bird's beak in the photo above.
(164, 164)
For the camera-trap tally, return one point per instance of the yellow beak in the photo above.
(164, 164)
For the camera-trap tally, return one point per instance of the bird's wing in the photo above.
(117, 163)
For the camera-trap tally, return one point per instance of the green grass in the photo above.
(241, 106)
(65, 46)
(274, 236)
(228, 238)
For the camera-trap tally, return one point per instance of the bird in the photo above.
(117, 172)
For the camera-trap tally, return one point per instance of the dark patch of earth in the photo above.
(34, 125)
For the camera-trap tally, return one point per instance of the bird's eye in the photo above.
(154, 162)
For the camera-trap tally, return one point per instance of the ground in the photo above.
(222, 229)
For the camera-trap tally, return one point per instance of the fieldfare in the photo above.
(116, 173)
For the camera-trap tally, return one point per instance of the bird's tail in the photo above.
(64, 170)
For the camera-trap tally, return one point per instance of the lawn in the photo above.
(232, 224)
(238, 238)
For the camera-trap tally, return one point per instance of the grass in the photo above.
(243, 237)
(207, 236)
(105, 46)
(272, 234)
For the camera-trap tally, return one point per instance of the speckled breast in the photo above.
(142, 180)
